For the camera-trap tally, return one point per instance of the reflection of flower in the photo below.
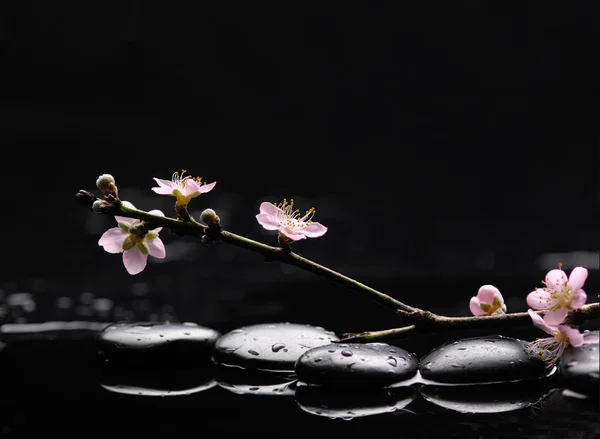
(135, 248)
(488, 301)
(550, 349)
(183, 188)
(560, 295)
(284, 218)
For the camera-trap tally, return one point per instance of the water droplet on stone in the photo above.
(331, 351)
(277, 347)
(392, 361)
(461, 349)
(343, 345)
(253, 389)
(253, 352)
(460, 366)
(186, 333)
(317, 360)
(347, 353)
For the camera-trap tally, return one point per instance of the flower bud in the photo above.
(210, 218)
(106, 183)
(100, 206)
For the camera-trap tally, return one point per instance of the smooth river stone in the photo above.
(356, 364)
(482, 360)
(580, 368)
(269, 347)
(347, 403)
(157, 342)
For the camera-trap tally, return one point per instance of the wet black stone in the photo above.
(485, 398)
(580, 368)
(274, 346)
(132, 343)
(482, 360)
(347, 403)
(369, 364)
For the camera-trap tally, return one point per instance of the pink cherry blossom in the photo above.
(183, 188)
(560, 295)
(284, 218)
(550, 349)
(487, 302)
(135, 249)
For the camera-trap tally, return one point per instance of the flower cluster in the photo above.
(559, 296)
(136, 240)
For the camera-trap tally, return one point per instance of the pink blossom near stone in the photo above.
(488, 301)
(551, 348)
(183, 188)
(560, 294)
(284, 218)
(135, 249)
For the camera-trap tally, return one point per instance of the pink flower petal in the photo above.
(574, 336)
(591, 337)
(126, 220)
(540, 323)
(487, 293)
(190, 187)
(556, 279)
(156, 248)
(579, 299)
(112, 240)
(165, 183)
(269, 209)
(165, 187)
(158, 213)
(163, 190)
(293, 236)
(314, 230)
(577, 278)
(539, 299)
(475, 307)
(267, 221)
(556, 317)
(207, 187)
(134, 260)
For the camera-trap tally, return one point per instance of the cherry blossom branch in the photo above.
(417, 320)
(209, 234)
(425, 321)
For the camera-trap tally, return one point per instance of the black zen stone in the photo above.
(156, 343)
(580, 368)
(482, 360)
(270, 347)
(355, 364)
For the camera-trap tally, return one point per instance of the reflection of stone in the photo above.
(154, 343)
(580, 368)
(254, 382)
(274, 346)
(481, 360)
(349, 402)
(485, 398)
(355, 364)
(176, 380)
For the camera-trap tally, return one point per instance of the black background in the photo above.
(445, 145)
